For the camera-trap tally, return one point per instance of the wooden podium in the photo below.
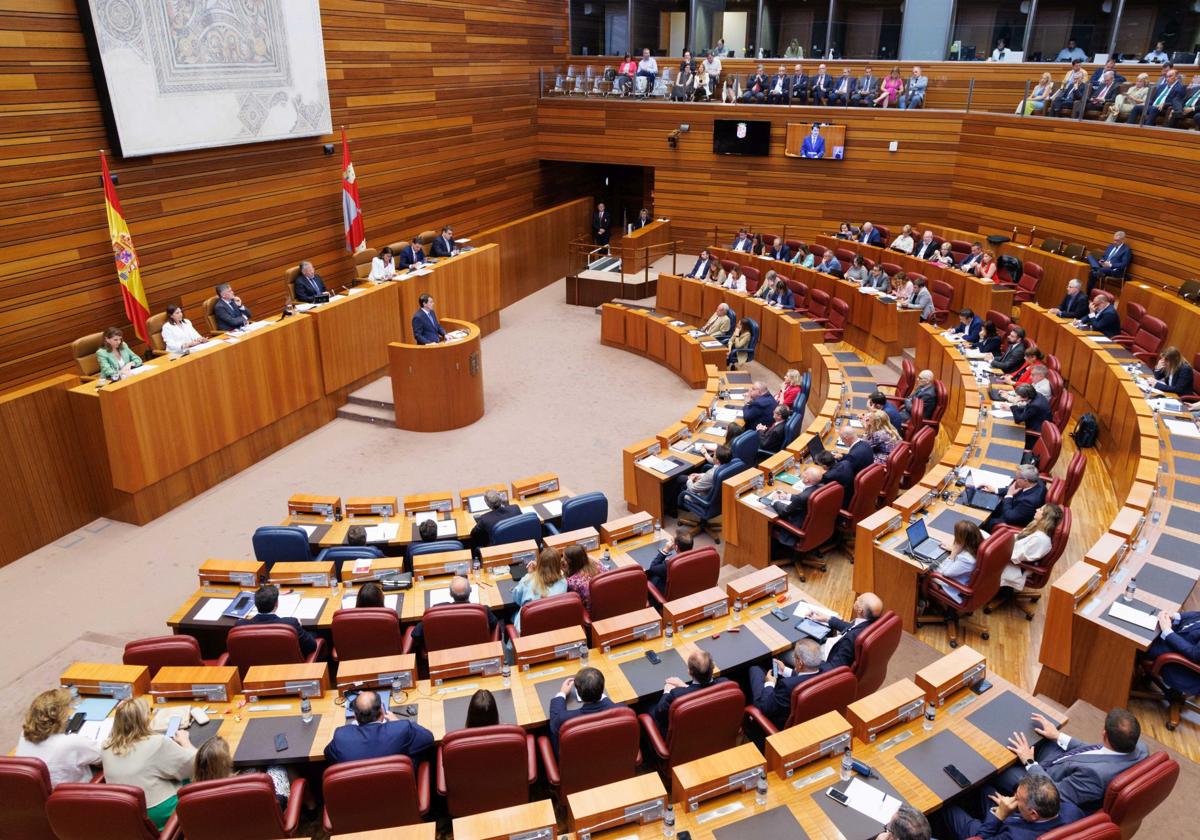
(437, 387)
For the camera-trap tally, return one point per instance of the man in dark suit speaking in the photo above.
(813, 145)
(425, 325)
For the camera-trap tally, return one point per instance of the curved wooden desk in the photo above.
(437, 387)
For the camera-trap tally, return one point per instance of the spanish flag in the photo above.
(128, 274)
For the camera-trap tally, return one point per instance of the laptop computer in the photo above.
(981, 499)
(815, 447)
(922, 546)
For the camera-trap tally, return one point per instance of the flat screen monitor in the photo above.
(742, 137)
(829, 143)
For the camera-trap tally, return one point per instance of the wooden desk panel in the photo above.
(354, 333)
(632, 247)
(452, 369)
(466, 287)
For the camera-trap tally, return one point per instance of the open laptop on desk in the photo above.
(815, 447)
(981, 499)
(922, 546)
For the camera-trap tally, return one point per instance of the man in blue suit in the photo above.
(588, 685)
(869, 236)
(1021, 500)
(1114, 262)
(377, 733)
(1074, 303)
(425, 325)
(759, 407)
(1033, 810)
(779, 251)
(742, 242)
(1178, 633)
(1103, 318)
(879, 402)
(969, 325)
(308, 285)
(844, 89)
(814, 144)
(700, 670)
(412, 255)
(1032, 409)
(266, 600)
(772, 695)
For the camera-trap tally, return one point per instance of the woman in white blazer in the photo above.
(177, 332)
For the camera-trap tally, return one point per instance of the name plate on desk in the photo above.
(535, 485)
(544, 647)
(638, 625)
(745, 482)
(778, 463)
(371, 568)
(107, 680)
(441, 563)
(314, 505)
(302, 679)
(378, 672)
(735, 769)
(916, 499)
(588, 538)
(426, 502)
(627, 527)
(762, 583)
(245, 573)
(484, 659)
(900, 702)
(813, 740)
(310, 573)
(494, 556)
(708, 603)
(639, 800)
(961, 668)
(217, 684)
(383, 506)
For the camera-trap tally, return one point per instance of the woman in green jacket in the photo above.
(114, 356)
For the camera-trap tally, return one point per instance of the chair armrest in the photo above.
(497, 631)
(549, 528)
(937, 577)
(171, 829)
(755, 714)
(513, 635)
(441, 773)
(654, 594)
(424, 795)
(291, 817)
(779, 522)
(410, 643)
(1173, 659)
(531, 746)
(654, 736)
(222, 660)
(318, 653)
(547, 751)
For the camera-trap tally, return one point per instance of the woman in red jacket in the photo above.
(625, 74)
(790, 389)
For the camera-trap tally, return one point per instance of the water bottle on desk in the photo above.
(1130, 590)
(847, 765)
(668, 634)
(306, 713)
(584, 653)
(668, 829)
(760, 790)
(930, 716)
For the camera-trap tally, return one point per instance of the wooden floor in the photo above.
(1013, 647)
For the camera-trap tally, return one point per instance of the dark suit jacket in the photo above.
(481, 534)
(759, 79)
(776, 702)
(969, 261)
(928, 397)
(602, 222)
(1018, 510)
(843, 473)
(379, 740)
(1174, 99)
(969, 331)
(307, 643)
(1033, 414)
(1178, 383)
(894, 415)
(1012, 359)
(1184, 639)
(842, 652)
(1015, 827)
(1117, 77)
(425, 331)
(701, 269)
(988, 345)
(872, 238)
(1074, 306)
(407, 257)
(851, 85)
(560, 715)
(860, 456)
(662, 710)
(799, 84)
(867, 86)
(759, 410)
(824, 83)
(229, 316)
(1107, 321)
(924, 252)
(772, 439)
(1083, 778)
(784, 253)
(443, 248)
(793, 512)
(787, 300)
(419, 630)
(306, 290)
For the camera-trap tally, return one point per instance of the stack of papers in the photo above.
(726, 415)
(476, 504)
(657, 464)
(462, 241)
(986, 478)
(871, 802)
(1145, 620)
(213, 609)
(351, 598)
(384, 532)
(255, 325)
(304, 307)
(1183, 428)
(442, 596)
(711, 344)
(139, 369)
(288, 604)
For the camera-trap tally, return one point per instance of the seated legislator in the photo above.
(759, 406)
(642, 220)
(460, 593)
(1022, 498)
(969, 326)
(1032, 544)
(858, 451)
(1114, 262)
(545, 577)
(793, 507)
(648, 69)
(134, 754)
(1177, 633)
(986, 268)
(1172, 375)
(889, 93)
(837, 470)
(857, 272)
(944, 257)
(1102, 317)
(588, 685)
(819, 86)
(444, 245)
(813, 145)
(972, 259)
(718, 325)
(1134, 96)
(700, 483)
(68, 758)
(829, 263)
(1167, 95)
(1034, 809)
(772, 691)
(907, 824)
(1081, 771)
(878, 279)
(426, 327)
(781, 296)
(626, 70)
(308, 285)
(580, 573)
(960, 564)
(789, 388)
(779, 251)
(1102, 95)
(866, 609)
(1068, 95)
(779, 88)
(903, 241)
(756, 86)
(1190, 105)
(114, 356)
(266, 599)
(178, 333)
(739, 339)
(377, 733)
(879, 402)
(921, 299)
(1014, 356)
(414, 254)
(704, 266)
(383, 265)
(843, 91)
(1074, 303)
(770, 438)
(926, 248)
(913, 95)
(866, 89)
(924, 390)
(215, 761)
(742, 242)
(700, 673)
(1032, 409)
(989, 339)
(498, 509)
(370, 594)
(734, 279)
(880, 434)
(657, 571)
(482, 710)
(1042, 93)
(228, 311)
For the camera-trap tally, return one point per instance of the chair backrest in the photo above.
(435, 547)
(1033, 274)
(868, 484)
(891, 269)
(1051, 245)
(800, 293)
(873, 649)
(1058, 544)
(83, 349)
(818, 303)
(1053, 364)
(362, 262)
(908, 377)
(704, 722)
(262, 644)
(753, 278)
(960, 248)
(237, 808)
(76, 810)
(24, 789)
(341, 554)
(160, 651)
(1075, 471)
(832, 691)
(844, 255)
(366, 632)
(454, 625)
(210, 304)
(726, 265)
(1048, 447)
(745, 447)
(1136, 792)
(553, 613)
(154, 325)
(371, 794)
(1134, 313)
(616, 592)
(1002, 321)
(795, 423)
(280, 544)
(942, 292)
(839, 313)
(484, 769)
(940, 401)
(922, 447)
(793, 245)
(994, 554)
(1074, 251)
(820, 520)
(597, 749)
(916, 416)
(584, 510)
(1151, 336)
(712, 507)
(897, 464)
(689, 572)
(1054, 377)
(752, 325)
(885, 235)
(527, 526)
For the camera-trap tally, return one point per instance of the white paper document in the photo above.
(308, 608)
(356, 290)
(987, 478)
(255, 325)
(139, 369)
(304, 307)
(713, 344)
(657, 464)
(1002, 413)
(213, 609)
(308, 529)
(554, 506)
(1100, 339)
(476, 504)
(384, 532)
(462, 241)
(287, 605)
(803, 608)
(871, 802)
(97, 730)
(726, 415)
(447, 528)
(428, 515)
(1183, 428)
(1143, 619)
(442, 596)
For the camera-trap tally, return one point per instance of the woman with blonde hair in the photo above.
(544, 577)
(789, 389)
(136, 755)
(69, 758)
(766, 286)
(214, 761)
(1042, 93)
(1033, 543)
(1125, 102)
(881, 434)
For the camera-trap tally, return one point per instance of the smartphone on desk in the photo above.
(837, 796)
(653, 657)
(281, 742)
